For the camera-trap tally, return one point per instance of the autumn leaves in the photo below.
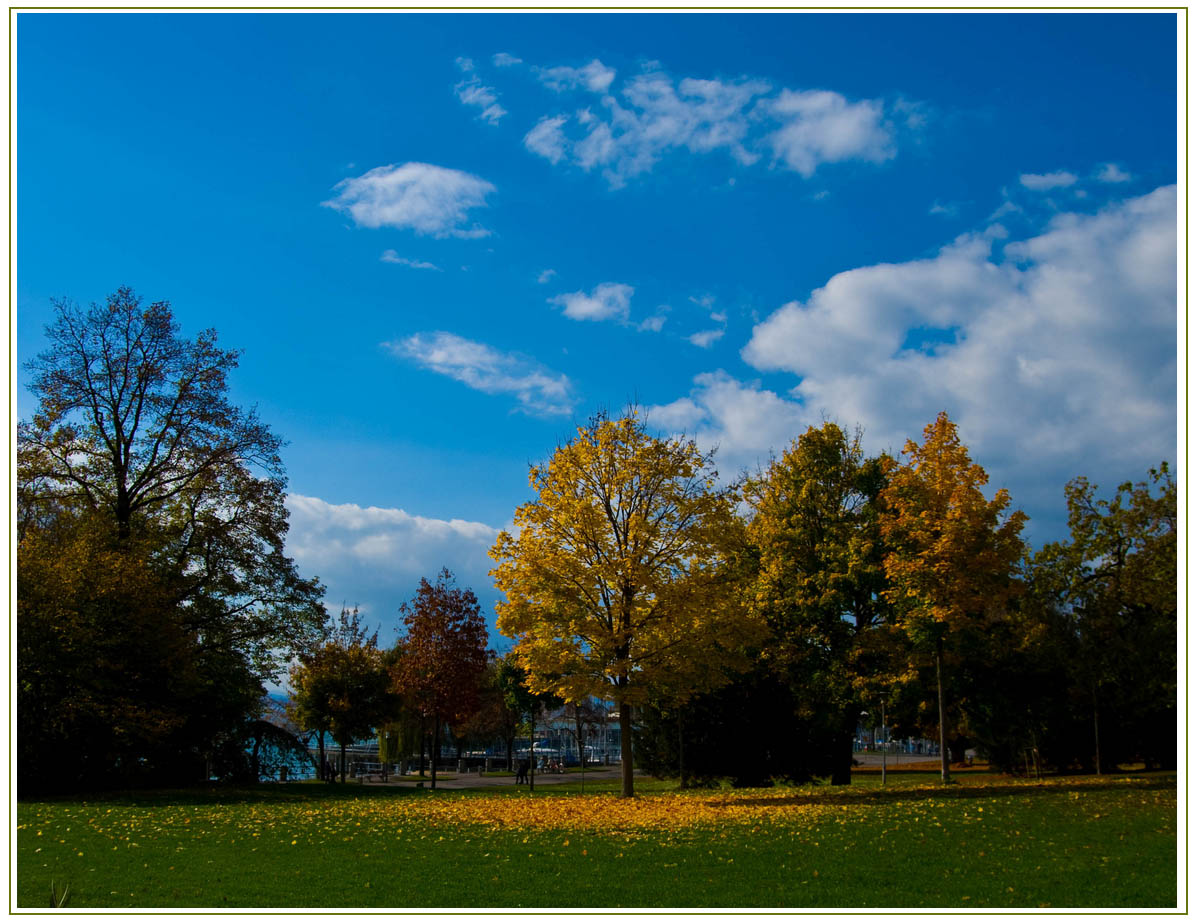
(634, 576)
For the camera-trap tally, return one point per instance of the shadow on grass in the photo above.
(291, 792)
(947, 792)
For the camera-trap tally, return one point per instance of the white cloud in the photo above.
(1041, 182)
(546, 276)
(427, 199)
(472, 93)
(1110, 172)
(465, 64)
(547, 139)
(743, 421)
(949, 210)
(539, 390)
(390, 256)
(706, 338)
(374, 557)
(608, 301)
(655, 113)
(594, 76)
(820, 126)
(654, 323)
(1056, 356)
(502, 59)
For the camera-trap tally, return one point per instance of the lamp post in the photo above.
(884, 733)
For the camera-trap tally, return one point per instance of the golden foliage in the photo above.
(619, 576)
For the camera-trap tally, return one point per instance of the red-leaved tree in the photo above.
(445, 654)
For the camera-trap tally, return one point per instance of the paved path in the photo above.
(473, 780)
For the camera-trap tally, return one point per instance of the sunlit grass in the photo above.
(984, 842)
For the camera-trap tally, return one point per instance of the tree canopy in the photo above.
(135, 445)
(821, 582)
(444, 653)
(618, 579)
(951, 552)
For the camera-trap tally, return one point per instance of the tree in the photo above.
(135, 442)
(952, 552)
(524, 705)
(343, 687)
(445, 653)
(820, 584)
(618, 579)
(1114, 584)
(134, 422)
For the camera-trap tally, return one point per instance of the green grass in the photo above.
(983, 842)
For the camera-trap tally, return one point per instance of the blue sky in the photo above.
(442, 240)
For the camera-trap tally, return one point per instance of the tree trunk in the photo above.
(422, 744)
(342, 762)
(624, 725)
(323, 759)
(1095, 717)
(510, 753)
(942, 716)
(435, 748)
(680, 746)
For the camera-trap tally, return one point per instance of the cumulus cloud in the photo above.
(608, 301)
(820, 126)
(502, 59)
(473, 93)
(744, 421)
(422, 197)
(627, 133)
(1042, 182)
(594, 76)
(546, 276)
(374, 557)
(1055, 355)
(391, 256)
(538, 390)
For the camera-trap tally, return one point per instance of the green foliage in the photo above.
(156, 597)
(1109, 597)
(821, 583)
(343, 686)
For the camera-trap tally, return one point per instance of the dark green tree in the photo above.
(344, 685)
(820, 583)
(1114, 585)
(136, 443)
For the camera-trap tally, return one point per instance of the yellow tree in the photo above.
(617, 580)
(952, 552)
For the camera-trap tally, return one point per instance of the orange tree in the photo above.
(951, 551)
(616, 584)
(444, 654)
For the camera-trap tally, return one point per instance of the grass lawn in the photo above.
(986, 841)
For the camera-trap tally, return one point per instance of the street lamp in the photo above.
(884, 733)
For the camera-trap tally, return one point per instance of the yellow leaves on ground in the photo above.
(375, 821)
